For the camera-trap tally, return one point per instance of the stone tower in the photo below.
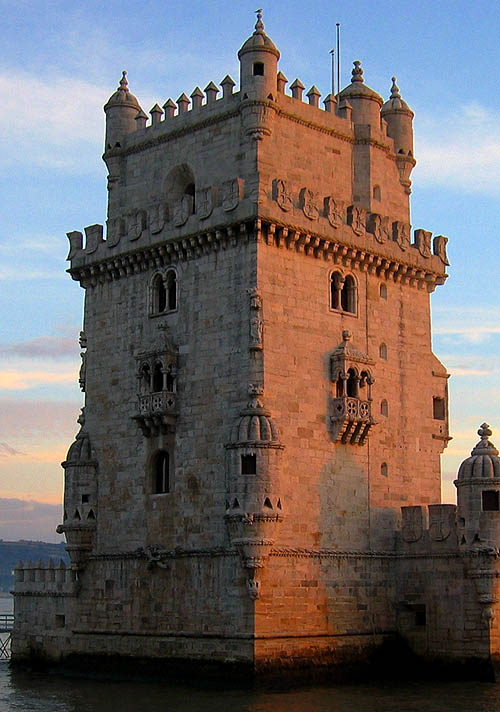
(261, 396)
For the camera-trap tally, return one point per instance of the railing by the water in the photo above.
(6, 625)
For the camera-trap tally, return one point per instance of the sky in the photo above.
(62, 59)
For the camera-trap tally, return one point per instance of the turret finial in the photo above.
(484, 446)
(395, 90)
(357, 72)
(259, 25)
(123, 82)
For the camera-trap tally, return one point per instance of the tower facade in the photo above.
(261, 397)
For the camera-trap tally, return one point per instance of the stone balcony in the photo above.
(351, 419)
(157, 412)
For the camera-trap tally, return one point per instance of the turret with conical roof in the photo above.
(478, 494)
(258, 64)
(121, 110)
(365, 102)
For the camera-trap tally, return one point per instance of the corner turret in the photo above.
(478, 495)
(399, 119)
(121, 111)
(259, 65)
(365, 102)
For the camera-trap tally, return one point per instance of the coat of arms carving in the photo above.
(356, 219)
(309, 204)
(283, 197)
(334, 210)
(423, 242)
(205, 202)
(232, 192)
(401, 234)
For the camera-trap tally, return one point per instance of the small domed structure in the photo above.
(484, 462)
(259, 41)
(121, 110)
(365, 101)
(478, 495)
(399, 118)
(122, 96)
(259, 64)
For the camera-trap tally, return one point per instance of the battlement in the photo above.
(429, 528)
(44, 579)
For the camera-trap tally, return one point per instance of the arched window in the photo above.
(170, 380)
(159, 295)
(258, 69)
(190, 191)
(161, 472)
(336, 284)
(145, 379)
(348, 296)
(384, 470)
(376, 192)
(340, 387)
(382, 350)
(343, 293)
(158, 377)
(384, 408)
(352, 383)
(171, 290)
(383, 291)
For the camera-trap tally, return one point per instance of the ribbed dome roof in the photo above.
(123, 96)
(358, 89)
(255, 425)
(484, 462)
(80, 452)
(259, 40)
(395, 103)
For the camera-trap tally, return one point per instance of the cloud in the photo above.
(29, 520)
(64, 118)
(460, 149)
(54, 347)
(6, 450)
(11, 380)
(40, 420)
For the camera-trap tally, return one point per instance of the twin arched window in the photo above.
(164, 292)
(156, 379)
(343, 293)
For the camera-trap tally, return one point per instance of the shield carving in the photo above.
(413, 525)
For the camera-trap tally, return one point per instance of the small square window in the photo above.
(85, 498)
(248, 465)
(490, 501)
(60, 621)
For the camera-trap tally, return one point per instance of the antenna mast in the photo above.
(338, 60)
(332, 52)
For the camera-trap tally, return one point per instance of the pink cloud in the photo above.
(46, 346)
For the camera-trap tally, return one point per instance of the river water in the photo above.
(35, 692)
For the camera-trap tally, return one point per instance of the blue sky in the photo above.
(62, 60)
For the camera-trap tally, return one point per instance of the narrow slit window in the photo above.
(438, 407)
(161, 473)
